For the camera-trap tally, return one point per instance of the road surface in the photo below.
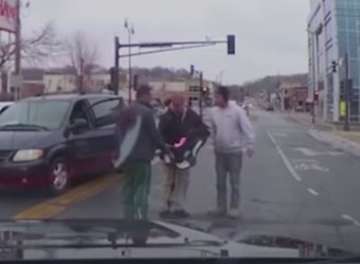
(295, 186)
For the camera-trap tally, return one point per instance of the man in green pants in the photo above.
(137, 166)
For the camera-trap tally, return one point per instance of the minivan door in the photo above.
(83, 157)
(104, 113)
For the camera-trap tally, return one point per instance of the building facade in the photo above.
(56, 82)
(293, 96)
(64, 80)
(189, 88)
(333, 31)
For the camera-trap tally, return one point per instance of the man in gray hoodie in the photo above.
(232, 135)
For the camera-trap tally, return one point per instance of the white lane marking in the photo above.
(306, 165)
(285, 159)
(313, 192)
(351, 219)
(313, 153)
(280, 134)
(307, 152)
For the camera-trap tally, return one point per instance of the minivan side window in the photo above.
(105, 112)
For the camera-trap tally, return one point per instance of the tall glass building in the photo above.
(334, 30)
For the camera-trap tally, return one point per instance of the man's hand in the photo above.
(250, 152)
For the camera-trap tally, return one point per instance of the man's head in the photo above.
(167, 102)
(144, 94)
(178, 103)
(222, 96)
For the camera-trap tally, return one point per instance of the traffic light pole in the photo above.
(115, 84)
(163, 47)
(347, 94)
(201, 94)
(18, 51)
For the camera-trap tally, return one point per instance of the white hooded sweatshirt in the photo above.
(231, 129)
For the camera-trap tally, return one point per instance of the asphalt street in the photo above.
(294, 186)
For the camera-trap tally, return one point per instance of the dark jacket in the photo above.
(173, 127)
(149, 138)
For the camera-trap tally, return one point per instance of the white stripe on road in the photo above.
(351, 219)
(285, 159)
(313, 192)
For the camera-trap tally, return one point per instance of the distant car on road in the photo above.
(46, 142)
(269, 107)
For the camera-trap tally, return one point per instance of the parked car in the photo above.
(49, 141)
(4, 106)
(269, 107)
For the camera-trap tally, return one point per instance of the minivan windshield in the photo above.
(45, 114)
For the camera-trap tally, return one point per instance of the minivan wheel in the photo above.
(60, 176)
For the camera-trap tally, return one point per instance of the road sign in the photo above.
(342, 108)
(8, 15)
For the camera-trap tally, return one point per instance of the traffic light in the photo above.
(113, 78)
(231, 44)
(136, 82)
(205, 90)
(342, 88)
(349, 89)
(316, 96)
(192, 70)
(334, 66)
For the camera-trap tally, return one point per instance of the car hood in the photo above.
(108, 239)
(13, 140)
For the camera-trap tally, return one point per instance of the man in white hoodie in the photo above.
(232, 135)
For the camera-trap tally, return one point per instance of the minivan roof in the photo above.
(69, 97)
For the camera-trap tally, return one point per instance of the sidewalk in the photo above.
(328, 133)
(305, 119)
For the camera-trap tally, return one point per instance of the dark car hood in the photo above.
(103, 239)
(13, 140)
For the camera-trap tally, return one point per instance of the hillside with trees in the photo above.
(271, 83)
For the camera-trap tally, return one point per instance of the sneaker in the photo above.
(235, 213)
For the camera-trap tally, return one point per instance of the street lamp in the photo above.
(131, 31)
(193, 71)
(314, 35)
(219, 77)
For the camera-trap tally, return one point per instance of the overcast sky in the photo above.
(271, 36)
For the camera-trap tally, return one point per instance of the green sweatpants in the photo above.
(136, 189)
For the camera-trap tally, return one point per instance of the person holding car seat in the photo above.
(184, 132)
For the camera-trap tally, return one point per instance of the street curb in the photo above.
(336, 142)
(299, 121)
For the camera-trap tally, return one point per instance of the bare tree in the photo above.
(83, 55)
(40, 47)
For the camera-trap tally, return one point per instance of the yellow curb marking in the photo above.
(54, 207)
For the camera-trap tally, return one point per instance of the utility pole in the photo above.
(130, 71)
(18, 51)
(131, 31)
(81, 76)
(347, 94)
(116, 69)
(201, 94)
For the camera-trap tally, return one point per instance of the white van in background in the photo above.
(4, 106)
